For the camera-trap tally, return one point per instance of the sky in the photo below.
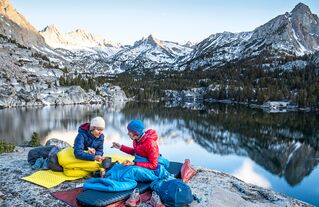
(126, 21)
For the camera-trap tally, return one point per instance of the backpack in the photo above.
(175, 193)
(53, 160)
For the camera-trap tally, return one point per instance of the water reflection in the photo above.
(18, 124)
(285, 145)
(249, 175)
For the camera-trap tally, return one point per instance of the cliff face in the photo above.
(15, 26)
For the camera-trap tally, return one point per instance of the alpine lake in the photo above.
(279, 151)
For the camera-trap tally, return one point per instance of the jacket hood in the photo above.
(149, 134)
(84, 127)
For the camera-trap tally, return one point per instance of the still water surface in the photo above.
(275, 151)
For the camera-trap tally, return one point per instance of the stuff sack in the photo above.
(175, 193)
(187, 171)
(53, 160)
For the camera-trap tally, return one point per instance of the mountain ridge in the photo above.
(15, 26)
(78, 39)
(287, 42)
(293, 33)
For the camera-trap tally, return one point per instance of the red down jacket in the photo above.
(147, 147)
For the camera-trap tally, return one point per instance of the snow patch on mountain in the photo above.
(78, 40)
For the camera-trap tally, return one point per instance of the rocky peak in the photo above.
(305, 26)
(86, 36)
(296, 32)
(150, 40)
(4, 5)
(16, 27)
(80, 31)
(303, 15)
(153, 41)
(301, 8)
(78, 39)
(189, 44)
(51, 28)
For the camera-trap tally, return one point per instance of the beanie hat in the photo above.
(97, 122)
(136, 127)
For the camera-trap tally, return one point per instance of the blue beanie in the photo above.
(136, 127)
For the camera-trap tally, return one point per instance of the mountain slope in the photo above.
(291, 34)
(14, 26)
(296, 33)
(149, 53)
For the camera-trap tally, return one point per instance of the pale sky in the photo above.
(127, 21)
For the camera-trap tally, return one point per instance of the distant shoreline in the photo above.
(204, 102)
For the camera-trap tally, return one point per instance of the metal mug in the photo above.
(106, 163)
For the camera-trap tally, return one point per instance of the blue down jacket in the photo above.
(85, 139)
(120, 178)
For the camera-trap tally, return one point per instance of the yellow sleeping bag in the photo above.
(73, 169)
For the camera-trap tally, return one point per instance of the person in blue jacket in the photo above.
(90, 138)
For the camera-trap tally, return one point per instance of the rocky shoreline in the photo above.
(213, 188)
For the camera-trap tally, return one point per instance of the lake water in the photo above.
(276, 151)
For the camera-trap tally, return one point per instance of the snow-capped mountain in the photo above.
(86, 52)
(292, 34)
(295, 33)
(77, 40)
(149, 53)
(92, 53)
(218, 49)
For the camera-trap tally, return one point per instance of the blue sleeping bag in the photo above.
(103, 198)
(121, 178)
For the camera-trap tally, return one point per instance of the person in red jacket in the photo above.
(144, 145)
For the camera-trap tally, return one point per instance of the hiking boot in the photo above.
(134, 199)
(99, 174)
(155, 200)
(96, 174)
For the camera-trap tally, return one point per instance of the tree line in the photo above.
(86, 83)
(241, 84)
(236, 82)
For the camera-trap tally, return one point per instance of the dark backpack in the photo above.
(53, 160)
(175, 193)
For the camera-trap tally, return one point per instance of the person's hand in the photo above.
(116, 145)
(98, 158)
(124, 162)
(91, 151)
(128, 163)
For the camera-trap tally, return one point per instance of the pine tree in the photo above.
(35, 140)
